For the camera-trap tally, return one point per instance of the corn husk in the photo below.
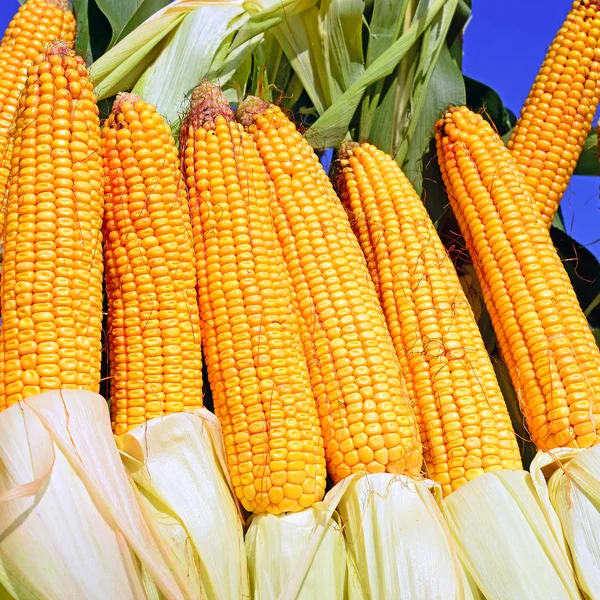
(276, 543)
(398, 543)
(178, 465)
(70, 524)
(568, 480)
(509, 541)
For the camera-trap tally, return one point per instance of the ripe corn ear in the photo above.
(250, 331)
(36, 23)
(545, 339)
(557, 116)
(51, 283)
(153, 317)
(462, 417)
(366, 414)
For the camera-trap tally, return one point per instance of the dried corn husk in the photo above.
(568, 480)
(70, 525)
(398, 543)
(274, 544)
(510, 543)
(178, 465)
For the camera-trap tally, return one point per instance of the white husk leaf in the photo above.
(70, 524)
(398, 543)
(508, 541)
(275, 542)
(568, 480)
(178, 465)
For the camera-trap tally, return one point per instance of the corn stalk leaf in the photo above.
(267, 15)
(341, 24)
(82, 42)
(120, 68)
(434, 40)
(446, 87)
(332, 126)
(589, 163)
(186, 58)
(125, 16)
(299, 37)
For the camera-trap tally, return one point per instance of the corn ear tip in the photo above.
(122, 98)
(250, 108)
(64, 5)
(207, 103)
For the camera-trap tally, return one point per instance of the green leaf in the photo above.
(482, 98)
(82, 42)
(332, 126)
(186, 58)
(274, 13)
(589, 163)
(124, 16)
(299, 37)
(584, 272)
(120, 67)
(388, 20)
(433, 43)
(341, 22)
(446, 87)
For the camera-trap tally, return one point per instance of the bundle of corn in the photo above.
(545, 340)
(464, 424)
(557, 116)
(51, 283)
(153, 317)
(250, 331)
(36, 23)
(366, 415)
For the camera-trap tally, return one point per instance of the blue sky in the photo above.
(505, 44)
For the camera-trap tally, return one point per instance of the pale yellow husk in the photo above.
(178, 465)
(568, 480)
(274, 545)
(70, 524)
(509, 541)
(399, 545)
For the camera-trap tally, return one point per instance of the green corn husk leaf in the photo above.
(332, 125)
(274, 544)
(399, 545)
(70, 523)
(568, 480)
(120, 68)
(186, 58)
(178, 463)
(508, 540)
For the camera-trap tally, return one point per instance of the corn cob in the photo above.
(51, 285)
(464, 423)
(545, 339)
(153, 317)
(366, 415)
(557, 116)
(250, 331)
(36, 23)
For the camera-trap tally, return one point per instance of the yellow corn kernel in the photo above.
(354, 369)
(51, 284)
(545, 339)
(153, 318)
(448, 372)
(36, 23)
(557, 116)
(250, 331)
